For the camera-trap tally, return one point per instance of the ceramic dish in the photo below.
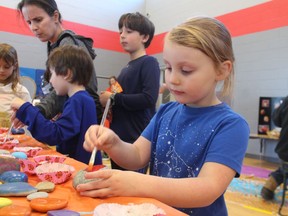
(29, 151)
(115, 209)
(54, 172)
(2, 138)
(3, 130)
(9, 144)
(40, 159)
(28, 166)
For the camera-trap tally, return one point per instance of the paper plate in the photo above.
(54, 172)
(29, 151)
(115, 209)
(28, 166)
(9, 144)
(40, 159)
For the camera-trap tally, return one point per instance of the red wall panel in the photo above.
(258, 18)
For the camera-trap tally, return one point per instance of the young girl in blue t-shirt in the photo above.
(196, 145)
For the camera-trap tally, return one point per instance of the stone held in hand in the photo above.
(79, 178)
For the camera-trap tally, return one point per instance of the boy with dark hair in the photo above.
(65, 65)
(135, 106)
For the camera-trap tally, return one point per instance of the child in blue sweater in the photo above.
(67, 65)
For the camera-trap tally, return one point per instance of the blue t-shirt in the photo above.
(184, 138)
(68, 131)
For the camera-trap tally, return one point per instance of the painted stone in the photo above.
(45, 186)
(13, 176)
(16, 189)
(79, 178)
(48, 204)
(7, 155)
(5, 202)
(15, 210)
(62, 213)
(3, 152)
(20, 155)
(40, 194)
(7, 164)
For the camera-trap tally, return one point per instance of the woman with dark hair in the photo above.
(45, 21)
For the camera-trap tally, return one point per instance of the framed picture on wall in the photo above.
(267, 105)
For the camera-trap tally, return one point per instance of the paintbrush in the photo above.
(93, 154)
(8, 134)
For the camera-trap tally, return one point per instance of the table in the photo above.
(263, 138)
(75, 201)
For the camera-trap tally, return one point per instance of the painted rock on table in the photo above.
(62, 213)
(7, 164)
(45, 186)
(5, 202)
(20, 155)
(48, 204)
(16, 189)
(36, 195)
(13, 176)
(15, 210)
(7, 155)
(3, 152)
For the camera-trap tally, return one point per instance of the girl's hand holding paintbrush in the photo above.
(100, 137)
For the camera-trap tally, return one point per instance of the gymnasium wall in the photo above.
(259, 29)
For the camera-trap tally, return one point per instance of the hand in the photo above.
(17, 123)
(100, 137)
(16, 103)
(113, 183)
(104, 96)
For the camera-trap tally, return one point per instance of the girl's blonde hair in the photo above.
(209, 36)
(9, 55)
